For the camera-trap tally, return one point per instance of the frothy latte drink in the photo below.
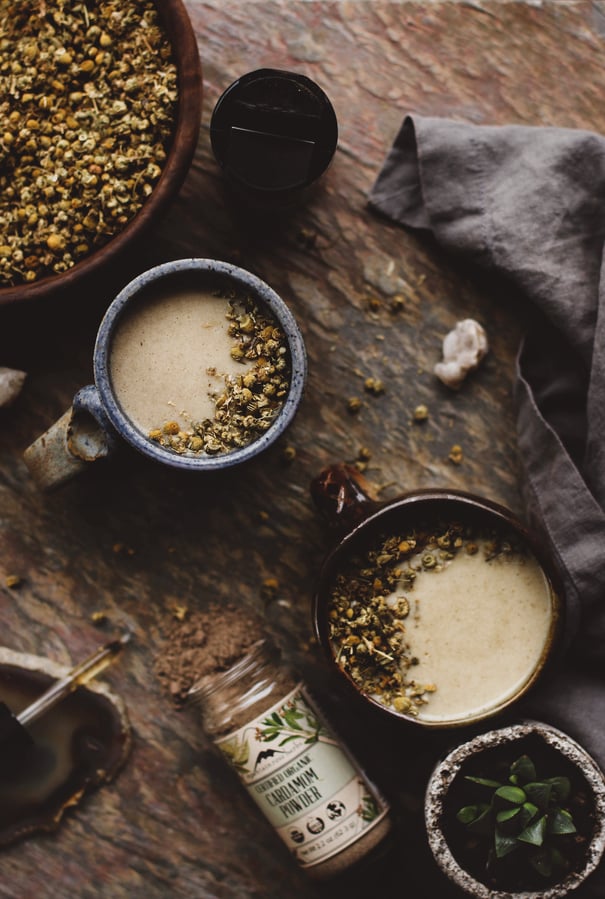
(478, 630)
(198, 371)
(442, 623)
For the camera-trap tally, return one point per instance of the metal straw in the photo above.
(78, 676)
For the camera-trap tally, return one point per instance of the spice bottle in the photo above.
(302, 778)
(273, 133)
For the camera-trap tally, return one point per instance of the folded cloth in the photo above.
(528, 204)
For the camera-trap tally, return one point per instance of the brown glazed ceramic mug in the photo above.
(438, 608)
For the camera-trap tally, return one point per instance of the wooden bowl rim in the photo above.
(177, 24)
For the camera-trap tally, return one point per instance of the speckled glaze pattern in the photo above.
(445, 772)
(238, 279)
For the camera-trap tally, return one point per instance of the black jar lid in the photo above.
(273, 131)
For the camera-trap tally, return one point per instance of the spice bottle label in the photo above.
(302, 780)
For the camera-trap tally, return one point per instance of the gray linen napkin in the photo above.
(528, 205)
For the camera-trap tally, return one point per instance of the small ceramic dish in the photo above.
(439, 608)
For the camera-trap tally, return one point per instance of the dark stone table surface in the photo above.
(136, 542)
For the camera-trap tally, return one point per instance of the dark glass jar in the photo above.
(273, 133)
(306, 783)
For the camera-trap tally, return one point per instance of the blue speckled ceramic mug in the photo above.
(99, 417)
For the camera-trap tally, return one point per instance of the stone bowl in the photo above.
(517, 736)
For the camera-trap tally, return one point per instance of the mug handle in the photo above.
(82, 435)
(344, 497)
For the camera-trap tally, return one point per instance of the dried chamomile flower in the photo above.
(249, 403)
(88, 113)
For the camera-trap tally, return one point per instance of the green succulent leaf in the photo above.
(534, 833)
(483, 824)
(522, 771)
(547, 861)
(468, 814)
(539, 793)
(560, 821)
(477, 818)
(507, 814)
(529, 812)
(558, 859)
(504, 844)
(508, 820)
(542, 862)
(484, 782)
(509, 795)
(561, 788)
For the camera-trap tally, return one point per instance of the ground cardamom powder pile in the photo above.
(204, 643)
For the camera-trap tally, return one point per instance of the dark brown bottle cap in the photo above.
(273, 131)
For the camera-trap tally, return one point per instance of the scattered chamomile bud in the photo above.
(421, 412)
(374, 386)
(455, 455)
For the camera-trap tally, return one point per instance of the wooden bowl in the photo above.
(180, 33)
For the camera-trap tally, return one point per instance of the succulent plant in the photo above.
(524, 816)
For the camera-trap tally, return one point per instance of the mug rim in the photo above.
(241, 278)
(471, 502)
